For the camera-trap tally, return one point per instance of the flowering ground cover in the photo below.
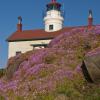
(53, 73)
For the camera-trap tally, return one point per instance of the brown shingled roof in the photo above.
(35, 34)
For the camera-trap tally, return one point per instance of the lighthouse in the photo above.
(22, 41)
(53, 18)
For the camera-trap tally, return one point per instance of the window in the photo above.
(53, 7)
(18, 53)
(50, 27)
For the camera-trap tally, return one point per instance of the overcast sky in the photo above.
(31, 12)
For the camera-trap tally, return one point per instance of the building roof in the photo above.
(40, 34)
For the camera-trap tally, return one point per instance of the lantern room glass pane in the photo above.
(53, 7)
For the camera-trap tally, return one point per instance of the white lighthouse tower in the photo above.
(53, 19)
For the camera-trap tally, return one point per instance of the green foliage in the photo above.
(32, 77)
(86, 46)
(79, 53)
(2, 72)
(45, 97)
(2, 98)
(91, 97)
(19, 98)
(67, 88)
(50, 59)
(91, 92)
(12, 96)
(97, 91)
(43, 73)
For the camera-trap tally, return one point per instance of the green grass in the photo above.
(2, 98)
(46, 96)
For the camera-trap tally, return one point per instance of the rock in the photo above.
(91, 67)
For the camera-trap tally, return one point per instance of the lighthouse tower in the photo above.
(53, 19)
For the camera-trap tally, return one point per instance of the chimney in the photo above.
(90, 19)
(53, 1)
(19, 25)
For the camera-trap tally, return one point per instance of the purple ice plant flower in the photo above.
(97, 29)
(55, 41)
(25, 65)
(1, 85)
(9, 86)
(93, 52)
(60, 74)
(35, 69)
(78, 68)
(37, 58)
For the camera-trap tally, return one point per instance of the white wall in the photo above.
(54, 18)
(23, 46)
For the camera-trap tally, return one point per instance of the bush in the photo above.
(2, 72)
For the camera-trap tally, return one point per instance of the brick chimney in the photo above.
(19, 25)
(90, 19)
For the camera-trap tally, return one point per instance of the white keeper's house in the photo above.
(22, 41)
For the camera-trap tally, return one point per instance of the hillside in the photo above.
(53, 73)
